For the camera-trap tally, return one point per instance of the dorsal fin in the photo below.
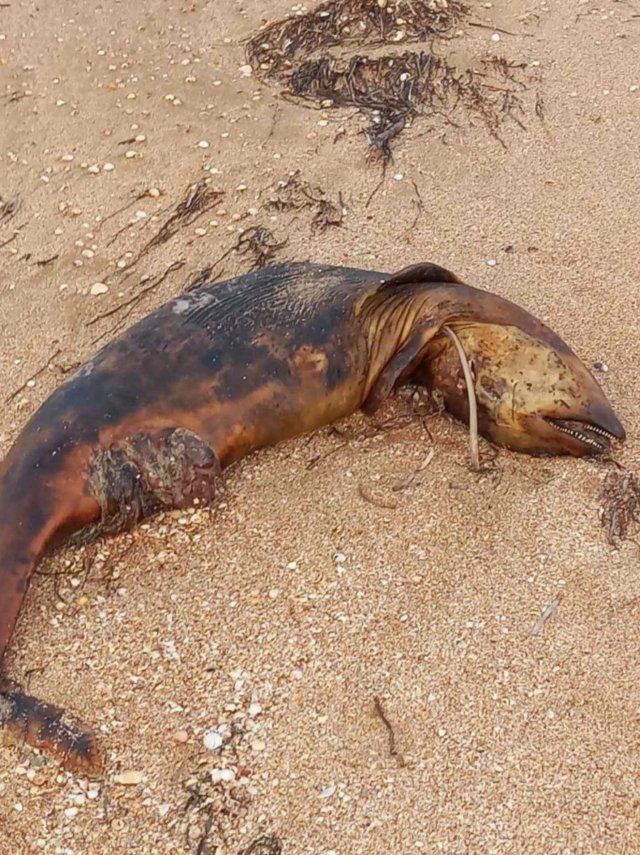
(426, 271)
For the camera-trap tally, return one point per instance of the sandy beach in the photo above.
(323, 664)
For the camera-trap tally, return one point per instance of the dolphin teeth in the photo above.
(584, 436)
(601, 431)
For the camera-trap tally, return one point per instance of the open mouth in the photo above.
(595, 437)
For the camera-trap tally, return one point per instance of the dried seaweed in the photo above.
(299, 52)
(199, 199)
(130, 304)
(9, 209)
(393, 749)
(120, 210)
(390, 89)
(259, 242)
(204, 276)
(294, 194)
(418, 204)
(494, 29)
(13, 236)
(13, 97)
(37, 373)
(45, 261)
(620, 509)
(273, 50)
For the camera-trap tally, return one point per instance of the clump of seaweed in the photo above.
(199, 199)
(620, 508)
(259, 243)
(302, 54)
(295, 194)
(394, 89)
(272, 52)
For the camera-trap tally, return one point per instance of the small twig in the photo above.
(46, 261)
(544, 617)
(120, 211)
(411, 476)
(176, 265)
(377, 187)
(297, 195)
(393, 751)
(15, 394)
(498, 29)
(368, 496)
(25, 682)
(8, 240)
(204, 840)
(274, 119)
(473, 410)
(315, 460)
(201, 277)
(419, 207)
(13, 97)
(260, 242)
(9, 209)
(131, 223)
(197, 201)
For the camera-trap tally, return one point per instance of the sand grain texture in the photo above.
(278, 618)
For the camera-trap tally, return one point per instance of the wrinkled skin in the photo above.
(152, 420)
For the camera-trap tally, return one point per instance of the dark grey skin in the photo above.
(152, 420)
